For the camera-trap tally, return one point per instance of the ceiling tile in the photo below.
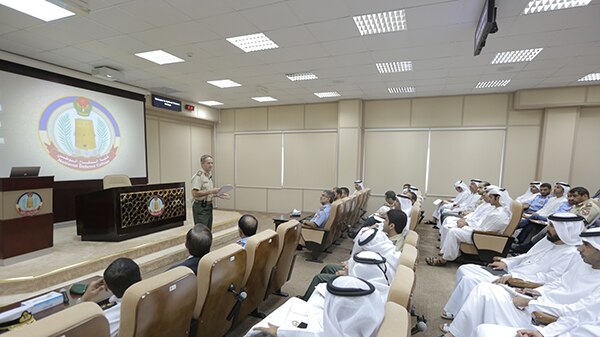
(271, 17)
(119, 20)
(157, 12)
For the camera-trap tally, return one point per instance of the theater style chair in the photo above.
(289, 236)
(409, 256)
(85, 319)
(161, 305)
(261, 250)
(319, 239)
(395, 322)
(115, 180)
(220, 279)
(487, 245)
(412, 238)
(414, 215)
(402, 287)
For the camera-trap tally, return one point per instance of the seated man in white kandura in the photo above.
(472, 219)
(352, 308)
(495, 222)
(576, 290)
(463, 192)
(544, 263)
(584, 324)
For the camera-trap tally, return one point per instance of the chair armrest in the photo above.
(543, 318)
(518, 283)
(489, 234)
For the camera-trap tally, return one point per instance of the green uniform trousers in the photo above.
(202, 212)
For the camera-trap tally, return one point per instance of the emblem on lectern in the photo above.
(29, 204)
(156, 205)
(79, 133)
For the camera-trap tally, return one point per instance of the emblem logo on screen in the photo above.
(79, 133)
(156, 205)
(29, 204)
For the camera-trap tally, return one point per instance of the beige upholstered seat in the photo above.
(409, 256)
(318, 240)
(289, 236)
(402, 287)
(414, 215)
(487, 245)
(85, 319)
(161, 305)
(116, 180)
(217, 272)
(412, 238)
(395, 322)
(261, 255)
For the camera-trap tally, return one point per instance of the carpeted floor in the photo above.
(434, 284)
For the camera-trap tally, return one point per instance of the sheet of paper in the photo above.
(224, 189)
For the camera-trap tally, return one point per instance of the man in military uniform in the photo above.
(203, 192)
(584, 206)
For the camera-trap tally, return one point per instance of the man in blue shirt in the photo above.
(540, 200)
(321, 216)
(247, 226)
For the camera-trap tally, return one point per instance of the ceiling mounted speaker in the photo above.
(107, 73)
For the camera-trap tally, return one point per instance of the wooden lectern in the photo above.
(26, 218)
(122, 213)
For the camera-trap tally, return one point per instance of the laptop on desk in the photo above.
(24, 171)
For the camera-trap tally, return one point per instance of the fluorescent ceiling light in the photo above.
(210, 103)
(40, 9)
(401, 90)
(515, 56)
(301, 76)
(377, 23)
(394, 67)
(590, 77)
(537, 6)
(159, 57)
(264, 99)
(327, 94)
(224, 83)
(252, 42)
(492, 84)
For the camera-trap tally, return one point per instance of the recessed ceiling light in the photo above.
(384, 22)
(301, 76)
(40, 9)
(492, 84)
(401, 90)
(590, 77)
(159, 57)
(394, 67)
(515, 56)
(210, 103)
(224, 83)
(264, 99)
(252, 42)
(327, 94)
(537, 6)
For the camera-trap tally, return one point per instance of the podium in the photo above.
(26, 218)
(122, 213)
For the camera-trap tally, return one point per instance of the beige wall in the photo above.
(174, 147)
(280, 158)
(506, 138)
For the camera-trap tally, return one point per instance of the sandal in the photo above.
(430, 222)
(445, 327)
(447, 315)
(435, 261)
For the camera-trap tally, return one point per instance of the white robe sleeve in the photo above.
(561, 310)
